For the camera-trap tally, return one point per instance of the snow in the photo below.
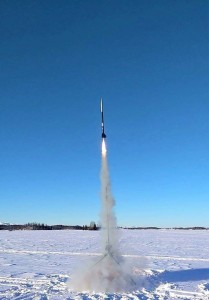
(166, 264)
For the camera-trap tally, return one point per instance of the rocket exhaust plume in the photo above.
(108, 273)
(108, 219)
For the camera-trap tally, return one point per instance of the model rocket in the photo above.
(102, 113)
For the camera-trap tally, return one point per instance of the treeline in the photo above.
(92, 226)
(37, 226)
(140, 227)
(173, 228)
(42, 226)
(191, 228)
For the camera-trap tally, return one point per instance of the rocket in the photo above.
(102, 113)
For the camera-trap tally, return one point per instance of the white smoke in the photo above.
(109, 273)
(109, 232)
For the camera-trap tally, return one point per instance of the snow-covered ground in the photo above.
(166, 264)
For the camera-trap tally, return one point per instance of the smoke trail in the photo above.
(109, 273)
(108, 219)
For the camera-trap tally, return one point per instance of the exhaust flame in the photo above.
(104, 150)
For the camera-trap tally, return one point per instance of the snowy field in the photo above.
(166, 264)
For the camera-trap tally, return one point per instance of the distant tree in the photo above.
(93, 226)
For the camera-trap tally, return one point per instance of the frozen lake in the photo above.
(168, 264)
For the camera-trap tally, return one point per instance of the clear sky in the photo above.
(149, 60)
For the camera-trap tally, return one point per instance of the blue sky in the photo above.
(149, 61)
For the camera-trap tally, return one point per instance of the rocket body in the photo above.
(102, 113)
